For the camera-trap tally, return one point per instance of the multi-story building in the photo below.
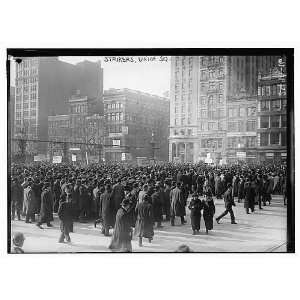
(83, 125)
(132, 119)
(241, 129)
(200, 87)
(43, 86)
(272, 114)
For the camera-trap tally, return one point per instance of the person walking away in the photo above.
(16, 199)
(121, 239)
(157, 204)
(145, 221)
(177, 204)
(208, 211)
(195, 206)
(66, 214)
(228, 199)
(46, 213)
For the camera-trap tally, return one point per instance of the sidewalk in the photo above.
(264, 230)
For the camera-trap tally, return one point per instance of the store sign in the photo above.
(40, 157)
(269, 154)
(116, 142)
(283, 154)
(123, 157)
(57, 159)
(73, 157)
(241, 154)
(208, 161)
(74, 149)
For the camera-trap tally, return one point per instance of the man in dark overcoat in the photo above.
(46, 211)
(117, 196)
(167, 201)
(157, 204)
(106, 210)
(177, 204)
(229, 202)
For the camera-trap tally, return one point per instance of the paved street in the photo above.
(261, 231)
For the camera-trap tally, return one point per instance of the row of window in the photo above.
(80, 108)
(211, 143)
(212, 113)
(272, 90)
(211, 60)
(26, 81)
(27, 72)
(273, 138)
(212, 85)
(212, 100)
(211, 74)
(26, 114)
(273, 121)
(239, 126)
(60, 123)
(115, 116)
(114, 128)
(273, 105)
(241, 112)
(241, 142)
(114, 105)
(188, 132)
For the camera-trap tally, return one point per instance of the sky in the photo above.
(136, 73)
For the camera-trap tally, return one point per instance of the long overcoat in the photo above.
(121, 239)
(241, 193)
(157, 205)
(177, 203)
(117, 196)
(46, 212)
(249, 195)
(65, 214)
(195, 206)
(208, 213)
(106, 209)
(144, 222)
(29, 201)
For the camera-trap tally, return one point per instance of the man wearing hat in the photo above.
(46, 212)
(229, 202)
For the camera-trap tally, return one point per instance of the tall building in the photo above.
(83, 124)
(272, 114)
(200, 89)
(133, 119)
(43, 87)
(241, 144)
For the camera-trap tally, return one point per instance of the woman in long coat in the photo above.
(121, 239)
(218, 187)
(208, 211)
(144, 223)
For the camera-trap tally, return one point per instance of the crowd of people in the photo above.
(136, 200)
